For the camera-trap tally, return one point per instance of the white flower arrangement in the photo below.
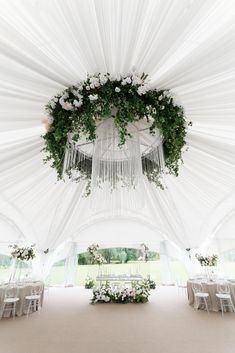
(93, 248)
(64, 99)
(23, 254)
(138, 293)
(207, 261)
(96, 257)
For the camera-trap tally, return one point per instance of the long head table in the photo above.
(118, 278)
(211, 289)
(23, 291)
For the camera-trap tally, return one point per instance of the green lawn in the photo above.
(57, 276)
(152, 267)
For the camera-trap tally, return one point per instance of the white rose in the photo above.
(103, 79)
(77, 103)
(136, 80)
(94, 82)
(141, 90)
(93, 97)
(117, 89)
(115, 78)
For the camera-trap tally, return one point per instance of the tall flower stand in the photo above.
(16, 271)
(20, 270)
(210, 272)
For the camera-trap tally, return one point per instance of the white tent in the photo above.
(187, 46)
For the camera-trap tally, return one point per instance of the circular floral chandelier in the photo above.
(95, 128)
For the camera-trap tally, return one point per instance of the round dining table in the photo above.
(210, 288)
(23, 289)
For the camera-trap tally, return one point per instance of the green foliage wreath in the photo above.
(77, 109)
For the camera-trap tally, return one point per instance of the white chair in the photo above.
(33, 301)
(182, 287)
(224, 297)
(9, 301)
(201, 298)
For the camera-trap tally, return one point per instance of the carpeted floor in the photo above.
(167, 324)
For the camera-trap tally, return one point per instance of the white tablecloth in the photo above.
(23, 291)
(211, 289)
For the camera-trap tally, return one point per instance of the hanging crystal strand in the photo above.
(118, 168)
(77, 160)
(13, 270)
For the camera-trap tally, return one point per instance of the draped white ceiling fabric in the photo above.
(187, 46)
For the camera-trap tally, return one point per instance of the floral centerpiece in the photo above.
(138, 293)
(102, 294)
(209, 263)
(89, 283)
(207, 260)
(96, 257)
(22, 253)
(78, 109)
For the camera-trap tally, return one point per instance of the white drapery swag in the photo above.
(43, 262)
(187, 46)
(71, 265)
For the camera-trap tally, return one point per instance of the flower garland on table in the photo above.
(139, 293)
(23, 254)
(78, 108)
(96, 257)
(207, 260)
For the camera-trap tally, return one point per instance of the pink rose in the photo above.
(67, 106)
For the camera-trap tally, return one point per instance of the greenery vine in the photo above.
(77, 109)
